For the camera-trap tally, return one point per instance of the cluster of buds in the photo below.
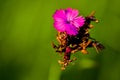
(69, 44)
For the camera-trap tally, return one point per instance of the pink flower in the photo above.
(68, 21)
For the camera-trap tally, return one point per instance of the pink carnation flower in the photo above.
(68, 21)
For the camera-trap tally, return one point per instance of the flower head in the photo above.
(68, 21)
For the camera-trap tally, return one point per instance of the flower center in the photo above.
(68, 22)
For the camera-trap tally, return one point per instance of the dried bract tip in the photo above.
(96, 21)
(91, 26)
(92, 13)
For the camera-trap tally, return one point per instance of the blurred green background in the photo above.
(26, 33)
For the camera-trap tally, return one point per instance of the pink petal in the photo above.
(59, 18)
(71, 30)
(60, 26)
(79, 21)
(71, 14)
(59, 15)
